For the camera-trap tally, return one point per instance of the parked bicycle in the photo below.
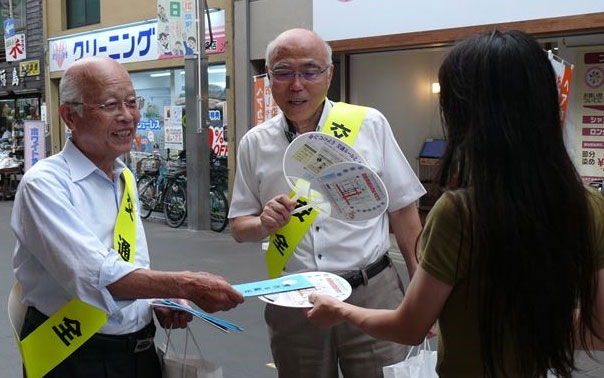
(166, 190)
(219, 205)
(163, 187)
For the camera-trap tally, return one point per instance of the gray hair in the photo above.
(272, 45)
(69, 91)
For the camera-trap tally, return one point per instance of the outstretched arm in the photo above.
(208, 291)
(408, 324)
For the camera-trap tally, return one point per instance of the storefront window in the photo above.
(164, 93)
(162, 125)
(162, 90)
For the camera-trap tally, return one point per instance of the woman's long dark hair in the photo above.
(535, 261)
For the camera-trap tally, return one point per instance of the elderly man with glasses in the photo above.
(300, 69)
(81, 256)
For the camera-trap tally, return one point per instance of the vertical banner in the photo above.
(564, 74)
(35, 146)
(173, 135)
(264, 104)
(589, 117)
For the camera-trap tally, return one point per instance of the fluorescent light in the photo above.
(160, 74)
(435, 88)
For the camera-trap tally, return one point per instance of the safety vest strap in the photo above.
(59, 336)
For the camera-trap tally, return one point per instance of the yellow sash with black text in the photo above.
(76, 322)
(343, 122)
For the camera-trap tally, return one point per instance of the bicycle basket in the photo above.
(176, 168)
(148, 165)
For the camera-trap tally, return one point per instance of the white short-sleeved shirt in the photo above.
(329, 244)
(63, 218)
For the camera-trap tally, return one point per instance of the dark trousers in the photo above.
(103, 356)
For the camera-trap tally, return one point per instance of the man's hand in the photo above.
(276, 213)
(172, 318)
(212, 293)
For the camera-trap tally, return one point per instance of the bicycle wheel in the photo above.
(146, 186)
(218, 210)
(175, 204)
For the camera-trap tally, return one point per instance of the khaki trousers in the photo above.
(301, 350)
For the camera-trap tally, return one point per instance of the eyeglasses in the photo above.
(288, 75)
(111, 106)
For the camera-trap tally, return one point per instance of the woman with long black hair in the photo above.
(512, 254)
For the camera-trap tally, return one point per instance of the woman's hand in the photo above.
(326, 311)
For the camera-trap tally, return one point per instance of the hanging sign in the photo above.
(35, 146)
(265, 106)
(15, 47)
(9, 27)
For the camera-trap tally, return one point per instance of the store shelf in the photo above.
(9, 179)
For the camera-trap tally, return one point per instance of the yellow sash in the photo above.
(124, 234)
(76, 322)
(343, 122)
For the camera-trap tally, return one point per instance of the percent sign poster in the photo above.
(217, 131)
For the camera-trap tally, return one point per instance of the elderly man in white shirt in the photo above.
(80, 239)
(299, 67)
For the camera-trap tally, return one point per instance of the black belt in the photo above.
(128, 343)
(361, 277)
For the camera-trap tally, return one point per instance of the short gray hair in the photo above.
(69, 90)
(270, 50)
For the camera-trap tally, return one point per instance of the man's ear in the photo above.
(67, 113)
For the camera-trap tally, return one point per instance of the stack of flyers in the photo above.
(221, 324)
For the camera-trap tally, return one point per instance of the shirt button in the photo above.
(317, 228)
(320, 256)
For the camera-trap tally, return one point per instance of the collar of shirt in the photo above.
(81, 167)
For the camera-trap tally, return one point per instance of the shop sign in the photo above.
(29, 68)
(588, 118)
(152, 124)
(127, 43)
(4, 80)
(15, 47)
(34, 142)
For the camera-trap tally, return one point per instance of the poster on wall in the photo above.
(173, 134)
(265, 106)
(177, 29)
(35, 146)
(217, 131)
(589, 99)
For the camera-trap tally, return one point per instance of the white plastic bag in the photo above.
(421, 365)
(183, 365)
